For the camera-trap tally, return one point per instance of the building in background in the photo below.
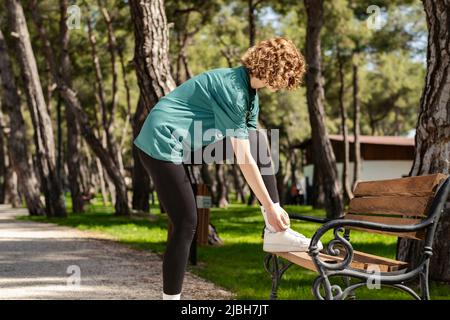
(382, 157)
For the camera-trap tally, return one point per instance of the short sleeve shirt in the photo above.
(206, 108)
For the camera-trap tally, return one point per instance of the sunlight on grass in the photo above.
(238, 264)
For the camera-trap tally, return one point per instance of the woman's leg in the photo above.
(175, 193)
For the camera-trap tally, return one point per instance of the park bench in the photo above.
(406, 207)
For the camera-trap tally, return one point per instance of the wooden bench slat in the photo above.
(368, 259)
(407, 206)
(382, 219)
(409, 186)
(361, 261)
(387, 220)
(409, 235)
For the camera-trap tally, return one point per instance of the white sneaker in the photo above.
(286, 241)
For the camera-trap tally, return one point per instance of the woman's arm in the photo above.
(275, 214)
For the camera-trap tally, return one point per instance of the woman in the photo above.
(223, 103)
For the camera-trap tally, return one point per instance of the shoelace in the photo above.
(295, 233)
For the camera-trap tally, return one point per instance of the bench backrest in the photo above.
(403, 201)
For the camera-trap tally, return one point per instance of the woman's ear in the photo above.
(257, 83)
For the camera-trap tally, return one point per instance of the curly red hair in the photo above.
(277, 62)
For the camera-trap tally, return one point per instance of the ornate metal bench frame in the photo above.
(396, 279)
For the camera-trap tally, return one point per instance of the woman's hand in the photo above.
(277, 217)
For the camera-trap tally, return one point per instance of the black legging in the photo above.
(177, 198)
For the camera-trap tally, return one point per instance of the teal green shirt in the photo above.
(204, 109)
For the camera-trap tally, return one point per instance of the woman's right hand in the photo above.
(277, 218)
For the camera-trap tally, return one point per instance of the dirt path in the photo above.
(42, 261)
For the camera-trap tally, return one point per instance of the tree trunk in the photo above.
(101, 178)
(11, 194)
(279, 176)
(356, 127)
(127, 95)
(87, 171)
(112, 106)
(251, 22)
(121, 205)
(43, 131)
(105, 132)
(182, 59)
(318, 195)
(221, 186)
(17, 143)
(71, 100)
(73, 162)
(9, 189)
(324, 159)
(238, 184)
(154, 78)
(59, 148)
(73, 159)
(3, 152)
(344, 130)
(107, 112)
(433, 134)
(204, 176)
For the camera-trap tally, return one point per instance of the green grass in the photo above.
(238, 264)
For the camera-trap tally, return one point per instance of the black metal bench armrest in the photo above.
(338, 225)
(308, 218)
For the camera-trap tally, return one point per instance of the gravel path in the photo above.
(42, 261)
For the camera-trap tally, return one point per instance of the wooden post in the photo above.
(203, 199)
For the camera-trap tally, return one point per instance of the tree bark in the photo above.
(17, 143)
(433, 134)
(9, 191)
(324, 159)
(154, 78)
(348, 195)
(10, 187)
(43, 131)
